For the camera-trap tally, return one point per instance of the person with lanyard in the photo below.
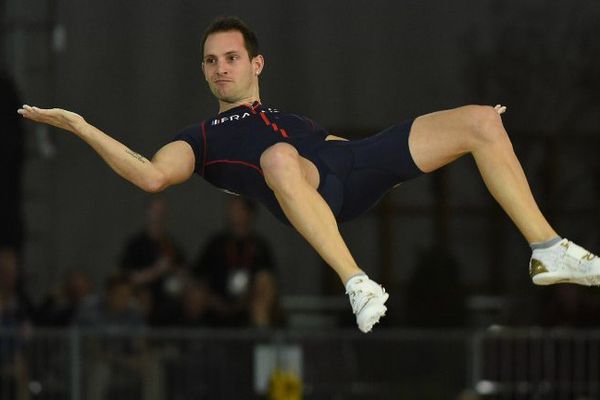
(232, 262)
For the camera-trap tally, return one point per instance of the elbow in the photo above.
(153, 188)
(155, 184)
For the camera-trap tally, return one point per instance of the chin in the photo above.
(227, 99)
(221, 96)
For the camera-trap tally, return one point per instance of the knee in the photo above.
(279, 164)
(484, 125)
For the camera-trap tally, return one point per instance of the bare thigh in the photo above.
(439, 138)
(311, 173)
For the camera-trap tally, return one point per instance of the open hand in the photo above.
(57, 117)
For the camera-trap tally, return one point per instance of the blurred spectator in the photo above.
(15, 307)
(153, 261)
(468, 394)
(15, 316)
(230, 263)
(265, 308)
(11, 165)
(115, 310)
(194, 310)
(145, 303)
(60, 308)
(114, 355)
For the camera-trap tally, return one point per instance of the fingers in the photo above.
(500, 109)
(28, 108)
(36, 114)
(23, 110)
(26, 111)
(29, 111)
(56, 117)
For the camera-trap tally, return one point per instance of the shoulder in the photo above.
(294, 118)
(192, 130)
(194, 136)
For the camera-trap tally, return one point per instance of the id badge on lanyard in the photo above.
(239, 282)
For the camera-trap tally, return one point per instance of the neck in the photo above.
(155, 231)
(240, 231)
(225, 106)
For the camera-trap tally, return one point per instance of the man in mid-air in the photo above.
(314, 180)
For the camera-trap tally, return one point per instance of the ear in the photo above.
(204, 70)
(258, 63)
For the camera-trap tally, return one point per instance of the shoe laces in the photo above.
(361, 292)
(581, 255)
(575, 251)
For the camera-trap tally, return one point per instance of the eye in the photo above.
(210, 60)
(233, 57)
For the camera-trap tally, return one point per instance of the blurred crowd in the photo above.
(230, 283)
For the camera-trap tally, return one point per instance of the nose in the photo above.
(221, 67)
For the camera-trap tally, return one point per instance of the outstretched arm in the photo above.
(172, 164)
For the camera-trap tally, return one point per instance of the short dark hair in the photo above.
(226, 24)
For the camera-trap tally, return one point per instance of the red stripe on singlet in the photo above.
(273, 125)
(252, 110)
(264, 117)
(253, 107)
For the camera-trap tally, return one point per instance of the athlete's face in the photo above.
(231, 75)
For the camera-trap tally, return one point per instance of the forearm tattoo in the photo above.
(137, 156)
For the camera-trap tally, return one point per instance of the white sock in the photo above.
(546, 244)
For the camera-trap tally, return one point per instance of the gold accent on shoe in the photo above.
(536, 267)
(588, 256)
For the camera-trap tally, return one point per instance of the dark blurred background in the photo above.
(439, 244)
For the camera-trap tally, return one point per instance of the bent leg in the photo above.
(439, 138)
(295, 180)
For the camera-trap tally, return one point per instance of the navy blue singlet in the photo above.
(354, 175)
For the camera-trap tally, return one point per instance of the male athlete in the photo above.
(314, 180)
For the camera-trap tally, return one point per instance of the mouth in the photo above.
(223, 80)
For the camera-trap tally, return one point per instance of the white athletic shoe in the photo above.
(565, 262)
(367, 299)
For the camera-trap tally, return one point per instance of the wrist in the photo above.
(79, 127)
